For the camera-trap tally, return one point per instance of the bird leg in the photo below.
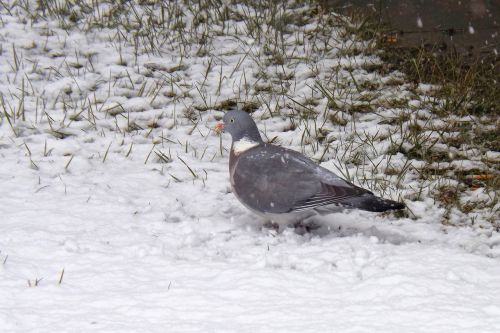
(305, 226)
(271, 226)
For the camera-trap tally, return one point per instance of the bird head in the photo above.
(240, 125)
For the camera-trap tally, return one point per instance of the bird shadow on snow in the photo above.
(337, 225)
(367, 225)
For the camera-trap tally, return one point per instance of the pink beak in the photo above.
(219, 127)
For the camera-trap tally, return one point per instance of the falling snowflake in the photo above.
(419, 22)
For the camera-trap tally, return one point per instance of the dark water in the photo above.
(471, 26)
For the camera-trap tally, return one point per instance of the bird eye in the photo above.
(232, 120)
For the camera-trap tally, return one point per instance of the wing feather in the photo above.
(330, 195)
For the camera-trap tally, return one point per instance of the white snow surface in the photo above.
(148, 246)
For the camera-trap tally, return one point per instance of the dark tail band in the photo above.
(372, 203)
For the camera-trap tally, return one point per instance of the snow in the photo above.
(113, 178)
(419, 22)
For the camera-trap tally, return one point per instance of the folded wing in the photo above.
(277, 180)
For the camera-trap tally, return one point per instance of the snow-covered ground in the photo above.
(116, 213)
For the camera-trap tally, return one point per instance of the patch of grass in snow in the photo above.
(466, 85)
(447, 110)
(315, 80)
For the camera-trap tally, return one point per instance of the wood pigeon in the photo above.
(283, 185)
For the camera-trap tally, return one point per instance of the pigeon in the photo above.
(283, 185)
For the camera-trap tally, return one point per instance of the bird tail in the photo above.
(372, 203)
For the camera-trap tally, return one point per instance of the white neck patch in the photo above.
(243, 145)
